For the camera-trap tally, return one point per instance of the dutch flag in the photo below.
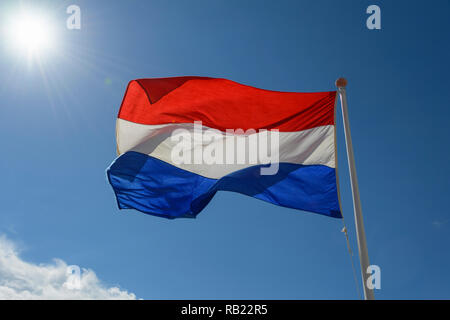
(182, 139)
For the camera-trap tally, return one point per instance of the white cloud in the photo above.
(24, 280)
(440, 223)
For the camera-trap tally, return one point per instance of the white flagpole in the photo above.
(360, 233)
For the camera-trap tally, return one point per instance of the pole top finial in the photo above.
(341, 83)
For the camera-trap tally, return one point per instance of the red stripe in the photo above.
(223, 104)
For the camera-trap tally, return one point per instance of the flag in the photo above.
(182, 139)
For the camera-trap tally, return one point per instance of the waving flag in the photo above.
(182, 139)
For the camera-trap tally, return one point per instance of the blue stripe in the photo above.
(158, 188)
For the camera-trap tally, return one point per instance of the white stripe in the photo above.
(308, 147)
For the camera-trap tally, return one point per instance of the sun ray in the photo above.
(31, 33)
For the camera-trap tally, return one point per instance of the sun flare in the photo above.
(30, 33)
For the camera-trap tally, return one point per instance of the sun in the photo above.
(30, 33)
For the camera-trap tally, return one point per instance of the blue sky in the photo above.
(58, 119)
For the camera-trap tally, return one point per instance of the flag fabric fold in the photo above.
(182, 139)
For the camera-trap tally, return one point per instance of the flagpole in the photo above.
(360, 233)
